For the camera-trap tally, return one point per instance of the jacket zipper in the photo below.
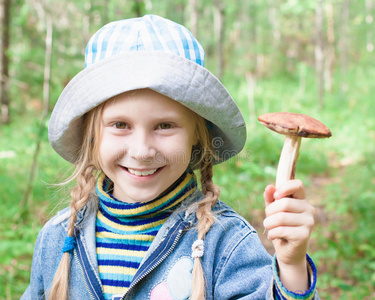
(84, 279)
(158, 262)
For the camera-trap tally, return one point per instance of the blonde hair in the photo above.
(88, 165)
(211, 191)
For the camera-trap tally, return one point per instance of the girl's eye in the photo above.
(120, 125)
(165, 126)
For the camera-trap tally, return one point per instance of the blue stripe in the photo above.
(116, 283)
(153, 231)
(154, 39)
(119, 44)
(168, 37)
(109, 297)
(121, 246)
(104, 43)
(131, 243)
(185, 44)
(116, 204)
(112, 202)
(133, 229)
(116, 263)
(123, 220)
(198, 59)
(117, 276)
(114, 257)
(94, 48)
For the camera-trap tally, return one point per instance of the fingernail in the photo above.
(276, 195)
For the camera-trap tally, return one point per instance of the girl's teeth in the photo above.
(142, 173)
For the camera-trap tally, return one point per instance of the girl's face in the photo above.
(146, 144)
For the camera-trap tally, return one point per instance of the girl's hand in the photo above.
(289, 221)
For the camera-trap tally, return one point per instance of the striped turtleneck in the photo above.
(125, 231)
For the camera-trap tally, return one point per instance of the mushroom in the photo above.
(294, 127)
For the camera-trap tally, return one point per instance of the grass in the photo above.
(339, 174)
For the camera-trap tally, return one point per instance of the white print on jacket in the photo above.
(178, 284)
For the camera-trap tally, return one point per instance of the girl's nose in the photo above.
(142, 148)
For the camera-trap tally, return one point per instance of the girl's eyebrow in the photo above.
(167, 115)
(156, 117)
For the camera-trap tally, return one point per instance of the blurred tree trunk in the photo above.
(273, 19)
(87, 21)
(330, 56)
(343, 43)
(4, 60)
(319, 56)
(370, 27)
(251, 85)
(104, 13)
(138, 7)
(47, 65)
(46, 88)
(219, 34)
(193, 17)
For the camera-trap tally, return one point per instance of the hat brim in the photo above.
(173, 76)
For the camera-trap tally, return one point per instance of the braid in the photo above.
(205, 221)
(86, 167)
(80, 196)
(211, 192)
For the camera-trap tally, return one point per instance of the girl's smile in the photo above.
(142, 172)
(142, 175)
(146, 144)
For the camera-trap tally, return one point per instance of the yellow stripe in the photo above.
(123, 252)
(146, 207)
(108, 222)
(172, 204)
(114, 289)
(117, 270)
(143, 237)
(179, 200)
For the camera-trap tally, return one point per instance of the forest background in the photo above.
(313, 57)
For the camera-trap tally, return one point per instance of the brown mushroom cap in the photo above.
(295, 124)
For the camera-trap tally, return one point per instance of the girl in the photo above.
(135, 122)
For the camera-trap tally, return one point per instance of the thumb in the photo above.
(268, 194)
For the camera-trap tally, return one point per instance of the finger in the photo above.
(290, 234)
(292, 188)
(290, 205)
(268, 194)
(288, 219)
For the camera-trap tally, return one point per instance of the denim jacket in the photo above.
(235, 264)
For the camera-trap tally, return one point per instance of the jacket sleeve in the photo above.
(247, 271)
(47, 256)
(36, 289)
(245, 268)
(281, 293)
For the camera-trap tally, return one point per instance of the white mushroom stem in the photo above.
(288, 160)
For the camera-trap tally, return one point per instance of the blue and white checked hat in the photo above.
(150, 33)
(148, 52)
